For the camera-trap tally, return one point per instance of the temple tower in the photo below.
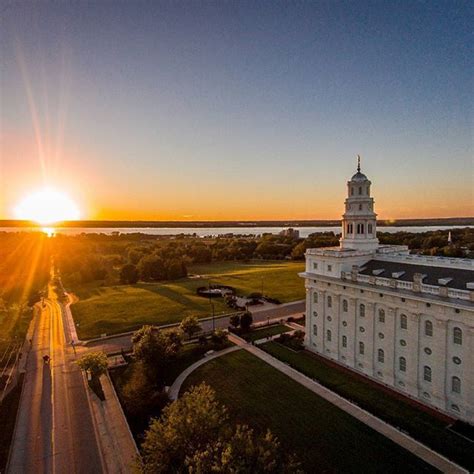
(359, 219)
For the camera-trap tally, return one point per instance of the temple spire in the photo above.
(358, 163)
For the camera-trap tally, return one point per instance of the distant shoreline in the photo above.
(457, 221)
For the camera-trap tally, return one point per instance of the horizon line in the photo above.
(466, 220)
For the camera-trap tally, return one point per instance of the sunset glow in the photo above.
(47, 206)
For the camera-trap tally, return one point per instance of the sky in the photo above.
(237, 110)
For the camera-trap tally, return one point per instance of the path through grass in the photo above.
(324, 438)
(395, 410)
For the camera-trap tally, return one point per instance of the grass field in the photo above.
(266, 332)
(324, 438)
(385, 405)
(114, 309)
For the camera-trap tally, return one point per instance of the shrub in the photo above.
(190, 326)
(219, 337)
(235, 320)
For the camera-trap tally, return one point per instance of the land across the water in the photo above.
(214, 229)
(98, 224)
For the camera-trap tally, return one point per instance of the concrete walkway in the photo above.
(118, 447)
(173, 392)
(423, 452)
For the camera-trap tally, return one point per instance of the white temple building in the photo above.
(406, 321)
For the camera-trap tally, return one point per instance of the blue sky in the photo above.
(238, 110)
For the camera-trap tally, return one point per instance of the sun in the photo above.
(47, 206)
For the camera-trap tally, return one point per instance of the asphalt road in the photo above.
(54, 431)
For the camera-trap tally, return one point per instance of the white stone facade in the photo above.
(415, 337)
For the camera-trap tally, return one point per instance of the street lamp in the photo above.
(212, 306)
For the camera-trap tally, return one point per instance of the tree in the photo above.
(129, 274)
(95, 363)
(190, 326)
(242, 451)
(194, 435)
(155, 348)
(176, 269)
(141, 399)
(246, 321)
(234, 320)
(186, 426)
(151, 267)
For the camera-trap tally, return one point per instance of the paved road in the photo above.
(115, 344)
(54, 431)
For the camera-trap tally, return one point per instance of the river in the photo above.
(215, 231)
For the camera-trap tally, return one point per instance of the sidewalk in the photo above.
(173, 391)
(118, 447)
(423, 452)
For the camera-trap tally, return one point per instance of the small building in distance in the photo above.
(403, 320)
(292, 233)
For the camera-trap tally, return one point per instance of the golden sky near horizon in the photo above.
(125, 194)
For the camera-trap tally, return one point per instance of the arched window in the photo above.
(361, 348)
(360, 189)
(315, 330)
(428, 328)
(360, 207)
(369, 229)
(329, 302)
(403, 321)
(427, 373)
(344, 341)
(315, 297)
(328, 335)
(456, 384)
(362, 310)
(381, 316)
(381, 356)
(402, 364)
(352, 191)
(345, 306)
(457, 336)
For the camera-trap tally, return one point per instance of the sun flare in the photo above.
(47, 206)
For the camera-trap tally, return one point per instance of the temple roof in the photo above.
(359, 177)
(437, 276)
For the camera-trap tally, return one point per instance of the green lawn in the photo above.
(324, 438)
(266, 332)
(114, 309)
(396, 411)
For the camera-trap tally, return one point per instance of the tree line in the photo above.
(131, 258)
